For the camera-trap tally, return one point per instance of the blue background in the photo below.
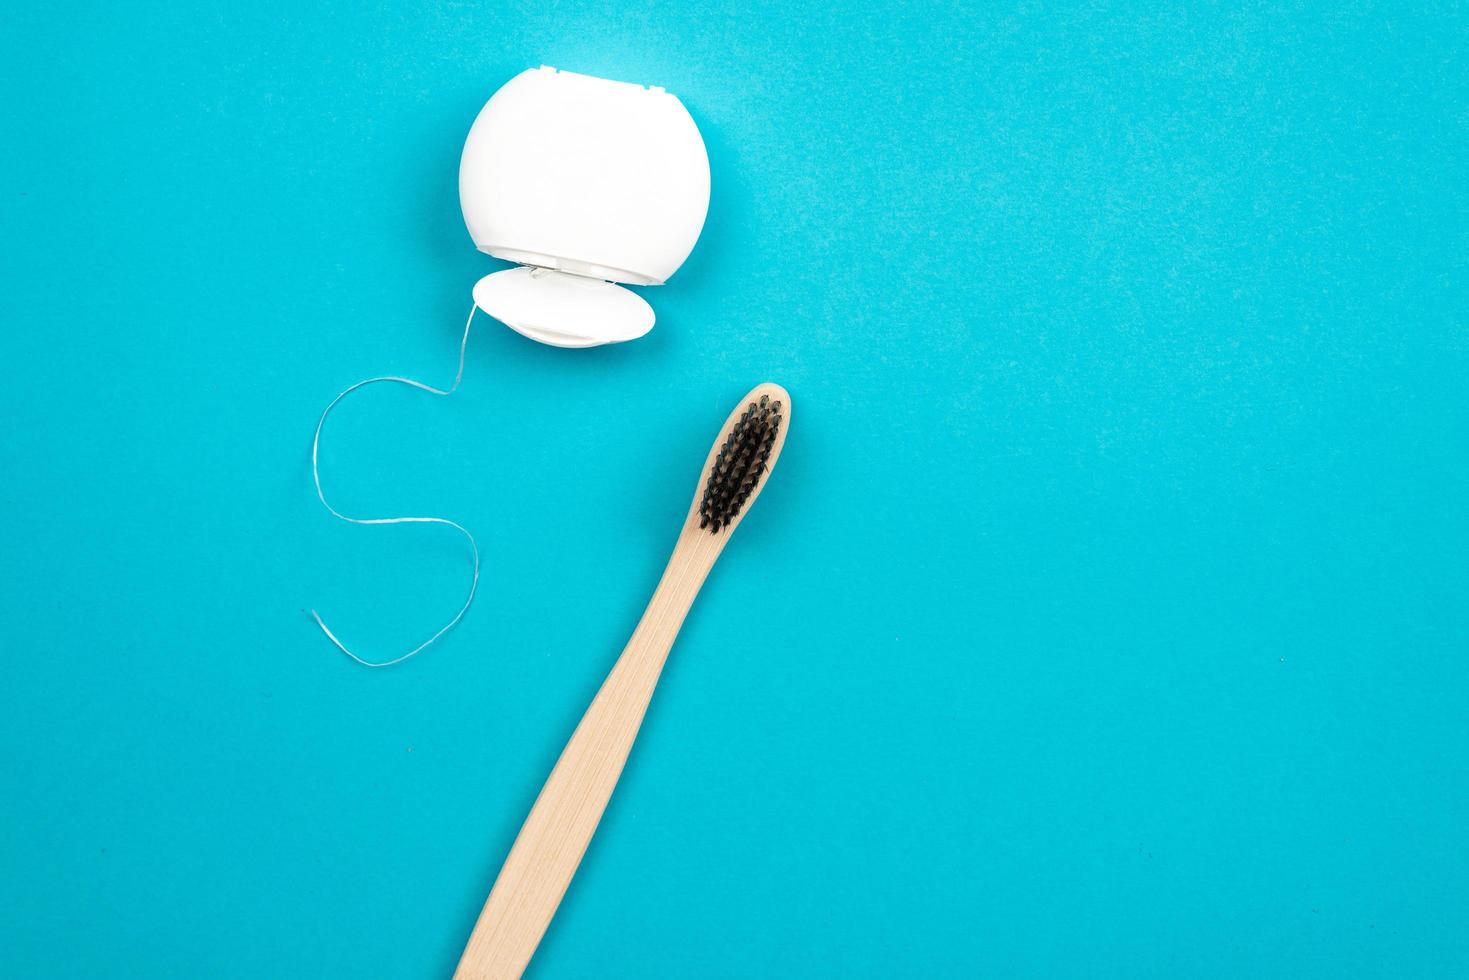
(1106, 616)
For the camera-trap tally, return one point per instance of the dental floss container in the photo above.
(585, 183)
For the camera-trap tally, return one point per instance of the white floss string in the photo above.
(316, 475)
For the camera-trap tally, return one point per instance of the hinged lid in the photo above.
(561, 309)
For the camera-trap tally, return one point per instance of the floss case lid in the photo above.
(563, 310)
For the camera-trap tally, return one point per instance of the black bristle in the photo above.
(739, 464)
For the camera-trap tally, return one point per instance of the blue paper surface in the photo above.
(1106, 615)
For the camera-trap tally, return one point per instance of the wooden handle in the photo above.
(560, 826)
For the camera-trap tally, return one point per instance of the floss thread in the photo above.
(321, 495)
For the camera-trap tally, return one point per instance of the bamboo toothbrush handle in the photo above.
(560, 826)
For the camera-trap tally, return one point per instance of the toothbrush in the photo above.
(565, 815)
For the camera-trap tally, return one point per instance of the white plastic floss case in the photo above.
(584, 183)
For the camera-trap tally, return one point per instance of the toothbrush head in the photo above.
(750, 443)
